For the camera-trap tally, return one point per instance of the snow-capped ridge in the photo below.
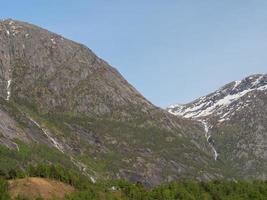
(221, 105)
(223, 102)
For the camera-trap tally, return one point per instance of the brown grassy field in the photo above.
(39, 187)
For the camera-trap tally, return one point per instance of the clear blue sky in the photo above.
(172, 51)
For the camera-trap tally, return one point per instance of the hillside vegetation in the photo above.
(49, 186)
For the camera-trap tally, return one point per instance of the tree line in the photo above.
(123, 190)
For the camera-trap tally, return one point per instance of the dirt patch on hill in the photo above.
(39, 187)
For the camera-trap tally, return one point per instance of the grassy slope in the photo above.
(108, 145)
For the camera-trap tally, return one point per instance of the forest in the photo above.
(123, 190)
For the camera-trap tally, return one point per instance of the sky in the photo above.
(172, 51)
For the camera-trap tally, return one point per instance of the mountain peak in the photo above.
(32, 56)
(223, 101)
(234, 120)
(250, 82)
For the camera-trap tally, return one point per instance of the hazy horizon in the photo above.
(172, 52)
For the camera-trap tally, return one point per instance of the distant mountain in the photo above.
(60, 103)
(235, 120)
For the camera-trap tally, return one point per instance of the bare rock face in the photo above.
(58, 95)
(54, 73)
(236, 121)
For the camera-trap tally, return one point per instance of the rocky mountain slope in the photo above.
(235, 120)
(60, 103)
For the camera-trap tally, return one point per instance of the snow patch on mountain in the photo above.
(223, 102)
(236, 84)
(8, 89)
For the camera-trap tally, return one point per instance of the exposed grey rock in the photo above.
(65, 97)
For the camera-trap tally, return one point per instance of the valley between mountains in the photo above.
(61, 104)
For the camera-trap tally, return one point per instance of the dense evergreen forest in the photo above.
(123, 190)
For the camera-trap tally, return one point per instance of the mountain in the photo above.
(235, 121)
(61, 104)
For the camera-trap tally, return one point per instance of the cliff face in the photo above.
(60, 103)
(52, 72)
